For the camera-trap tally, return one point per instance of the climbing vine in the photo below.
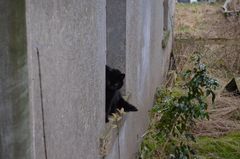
(175, 113)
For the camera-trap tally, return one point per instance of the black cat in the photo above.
(114, 99)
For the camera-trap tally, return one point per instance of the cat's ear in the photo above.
(108, 68)
(122, 76)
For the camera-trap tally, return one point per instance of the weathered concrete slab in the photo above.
(146, 65)
(52, 106)
(71, 39)
(14, 110)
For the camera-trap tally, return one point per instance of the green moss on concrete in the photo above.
(18, 80)
(165, 40)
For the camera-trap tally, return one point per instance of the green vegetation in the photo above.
(184, 28)
(224, 147)
(166, 35)
(175, 113)
(205, 29)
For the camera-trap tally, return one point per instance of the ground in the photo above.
(205, 21)
(205, 29)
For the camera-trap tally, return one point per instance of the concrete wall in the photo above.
(71, 38)
(146, 66)
(14, 108)
(52, 106)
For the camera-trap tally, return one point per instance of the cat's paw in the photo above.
(130, 108)
(106, 120)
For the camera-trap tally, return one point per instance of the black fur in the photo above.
(114, 99)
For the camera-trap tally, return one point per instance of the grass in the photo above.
(206, 21)
(224, 147)
(184, 28)
(198, 19)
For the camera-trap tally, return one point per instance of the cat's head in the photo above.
(114, 78)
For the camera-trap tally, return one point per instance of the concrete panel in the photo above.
(146, 66)
(139, 79)
(71, 39)
(14, 110)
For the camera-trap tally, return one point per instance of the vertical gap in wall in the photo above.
(116, 35)
(116, 43)
(165, 15)
(42, 108)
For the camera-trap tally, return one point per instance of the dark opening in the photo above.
(165, 15)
